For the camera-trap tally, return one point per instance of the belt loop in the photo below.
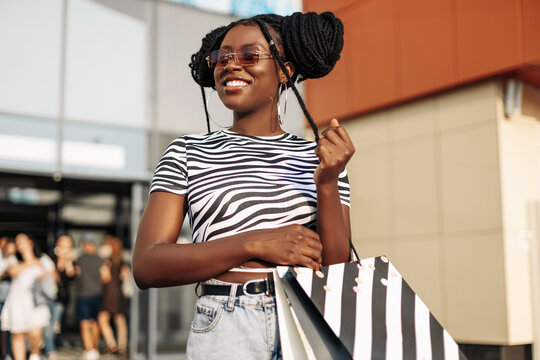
(232, 297)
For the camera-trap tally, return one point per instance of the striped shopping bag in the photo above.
(362, 310)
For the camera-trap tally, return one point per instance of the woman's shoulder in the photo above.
(194, 139)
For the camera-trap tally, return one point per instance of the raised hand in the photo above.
(334, 151)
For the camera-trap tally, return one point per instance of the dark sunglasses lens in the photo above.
(213, 59)
(248, 56)
(245, 56)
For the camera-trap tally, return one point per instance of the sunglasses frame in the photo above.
(234, 55)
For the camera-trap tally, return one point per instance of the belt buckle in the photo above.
(247, 283)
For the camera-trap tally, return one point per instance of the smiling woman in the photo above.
(257, 197)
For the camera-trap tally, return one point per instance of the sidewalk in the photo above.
(71, 348)
(75, 353)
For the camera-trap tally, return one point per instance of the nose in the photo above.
(233, 63)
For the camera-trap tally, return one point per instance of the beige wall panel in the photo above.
(467, 105)
(369, 130)
(367, 248)
(475, 288)
(414, 182)
(413, 119)
(470, 179)
(518, 287)
(371, 195)
(420, 264)
(519, 181)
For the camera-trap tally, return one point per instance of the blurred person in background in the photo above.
(21, 315)
(113, 301)
(7, 249)
(64, 259)
(88, 288)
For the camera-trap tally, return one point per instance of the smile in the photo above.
(236, 83)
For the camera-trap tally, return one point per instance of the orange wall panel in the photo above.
(488, 36)
(373, 53)
(426, 45)
(531, 29)
(397, 50)
(330, 99)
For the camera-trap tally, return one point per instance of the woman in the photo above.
(257, 196)
(64, 259)
(20, 315)
(113, 302)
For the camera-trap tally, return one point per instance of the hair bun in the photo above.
(313, 42)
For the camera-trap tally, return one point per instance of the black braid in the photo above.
(205, 109)
(290, 82)
(312, 42)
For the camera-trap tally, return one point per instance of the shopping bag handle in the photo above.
(353, 254)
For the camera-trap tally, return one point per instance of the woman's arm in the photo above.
(16, 269)
(334, 150)
(105, 273)
(158, 261)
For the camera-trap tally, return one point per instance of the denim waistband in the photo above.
(259, 300)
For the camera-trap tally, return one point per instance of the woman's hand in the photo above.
(289, 245)
(334, 151)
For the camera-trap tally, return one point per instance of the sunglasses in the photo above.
(245, 56)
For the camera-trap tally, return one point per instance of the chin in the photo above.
(235, 106)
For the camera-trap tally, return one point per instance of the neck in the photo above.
(261, 122)
(28, 255)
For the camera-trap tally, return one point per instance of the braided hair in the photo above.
(311, 41)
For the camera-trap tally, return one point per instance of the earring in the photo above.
(282, 87)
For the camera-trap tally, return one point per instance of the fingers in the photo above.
(335, 132)
(335, 145)
(310, 263)
(314, 254)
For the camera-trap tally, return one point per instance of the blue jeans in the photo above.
(56, 309)
(229, 327)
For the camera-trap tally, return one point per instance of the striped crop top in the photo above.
(235, 183)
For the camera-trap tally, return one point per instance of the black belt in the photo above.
(249, 288)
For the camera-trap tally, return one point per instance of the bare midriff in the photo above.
(242, 277)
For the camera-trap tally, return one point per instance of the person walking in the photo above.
(113, 301)
(88, 290)
(64, 259)
(21, 315)
(7, 249)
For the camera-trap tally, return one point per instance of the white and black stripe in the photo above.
(235, 183)
(381, 318)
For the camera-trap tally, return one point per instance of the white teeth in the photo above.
(236, 83)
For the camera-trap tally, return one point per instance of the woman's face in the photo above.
(23, 243)
(64, 246)
(250, 88)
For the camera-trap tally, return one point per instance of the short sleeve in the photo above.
(344, 188)
(171, 172)
(47, 263)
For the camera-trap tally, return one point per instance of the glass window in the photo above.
(28, 143)
(246, 8)
(30, 43)
(107, 61)
(104, 150)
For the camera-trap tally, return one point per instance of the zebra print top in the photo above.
(235, 183)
